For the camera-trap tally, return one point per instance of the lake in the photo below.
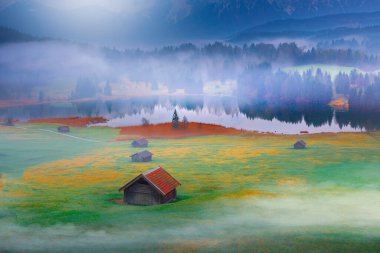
(225, 111)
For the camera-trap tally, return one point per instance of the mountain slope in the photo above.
(165, 21)
(334, 25)
(8, 35)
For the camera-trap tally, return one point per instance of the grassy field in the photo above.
(248, 193)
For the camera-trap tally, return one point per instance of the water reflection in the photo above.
(226, 111)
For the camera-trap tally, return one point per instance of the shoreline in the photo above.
(165, 130)
(70, 121)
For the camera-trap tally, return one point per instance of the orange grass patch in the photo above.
(245, 152)
(165, 130)
(344, 140)
(72, 121)
(70, 177)
(291, 181)
(174, 152)
(245, 194)
(63, 173)
(117, 201)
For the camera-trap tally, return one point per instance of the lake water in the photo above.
(161, 114)
(225, 111)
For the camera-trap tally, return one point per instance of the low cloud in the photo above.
(353, 212)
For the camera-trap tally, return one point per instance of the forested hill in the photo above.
(8, 35)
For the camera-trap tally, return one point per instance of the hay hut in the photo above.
(143, 156)
(154, 187)
(140, 143)
(300, 145)
(63, 129)
(8, 122)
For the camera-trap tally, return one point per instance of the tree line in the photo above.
(292, 96)
(283, 53)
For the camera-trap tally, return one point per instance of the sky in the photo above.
(112, 22)
(110, 5)
(139, 23)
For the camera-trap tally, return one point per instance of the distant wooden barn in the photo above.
(140, 143)
(143, 156)
(154, 187)
(300, 145)
(63, 129)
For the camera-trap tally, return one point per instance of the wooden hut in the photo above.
(143, 156)
(140, 143)
(154, 187)
(300, 145)
(63, 129)
(8, 122)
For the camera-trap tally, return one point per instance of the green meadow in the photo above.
(248, 193)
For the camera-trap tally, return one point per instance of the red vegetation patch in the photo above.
(165, 130)
(341, 103)
(73, 121)
(117, 201)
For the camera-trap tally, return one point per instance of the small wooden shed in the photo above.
(8, 122)
(140, 143)
(300, 145)
(154, 187)
(143, 156)
(63, 129)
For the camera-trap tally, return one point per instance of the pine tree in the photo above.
(175, 120)
(185, 122)
(145, 122)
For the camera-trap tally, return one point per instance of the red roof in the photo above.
(161, 179)
(158, 178)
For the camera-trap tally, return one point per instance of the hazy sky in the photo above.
(110, 22)
(112, 5)
(134, 23)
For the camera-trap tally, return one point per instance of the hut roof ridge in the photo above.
(144, 153)
(158, 178)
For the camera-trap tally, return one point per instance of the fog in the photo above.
(26, 69)
(213, 69)
(306, 213)
(40, 62)
(260, 76)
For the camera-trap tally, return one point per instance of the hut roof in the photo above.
(8, 122)
(159, 178)
(301, 142)
(141, 141)
(143, 154)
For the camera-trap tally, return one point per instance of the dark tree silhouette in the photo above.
(145, 121)
(185, 122)
(175, 120)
